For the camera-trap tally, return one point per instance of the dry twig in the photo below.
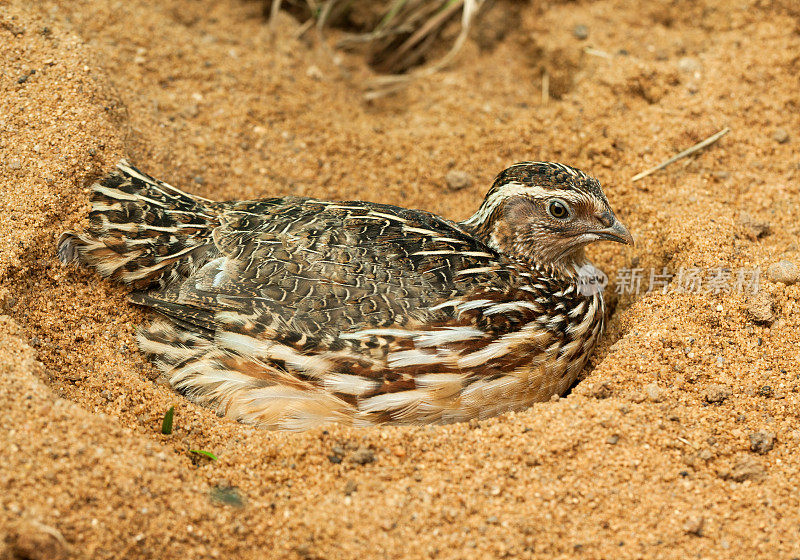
(687, 152)
(686, 442)
(545, 87)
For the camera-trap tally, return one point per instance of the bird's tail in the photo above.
(142, 231)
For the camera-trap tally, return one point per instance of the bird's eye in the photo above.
(558, 209)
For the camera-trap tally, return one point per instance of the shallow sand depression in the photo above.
(681, 441)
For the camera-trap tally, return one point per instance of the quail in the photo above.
(293, 312)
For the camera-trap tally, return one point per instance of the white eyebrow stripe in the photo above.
(514, 188)
(569, 197)
(571, 170)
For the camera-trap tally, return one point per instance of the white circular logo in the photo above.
(591, 280)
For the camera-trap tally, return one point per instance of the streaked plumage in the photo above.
(291, 312)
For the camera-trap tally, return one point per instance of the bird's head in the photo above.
(546, 213)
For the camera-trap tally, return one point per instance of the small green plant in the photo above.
(166, 423)
(204, 453)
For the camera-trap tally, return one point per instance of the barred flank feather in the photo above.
(143, 231)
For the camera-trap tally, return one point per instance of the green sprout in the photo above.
(204, 453)
(166, 423)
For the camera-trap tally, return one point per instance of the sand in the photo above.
(682, 440)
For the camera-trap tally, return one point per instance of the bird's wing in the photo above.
(314, 273)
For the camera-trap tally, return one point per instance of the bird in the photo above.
(291, 312)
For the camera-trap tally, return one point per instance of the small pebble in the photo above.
(227, 495)
(600, 390)
(753, 228)
(30, 539)
(14, 163)
(638, 397)
(694, 525)
(190, 110)
(15, 30)
(761, 308)
(780, 136)
(654, 392)
(612, 440)
(762, 442)
(783, 271)
(532, 461)
(689, 65)
(350, 487)
(457, 180)
(717, 393)
(746, 469)
(580, 32)
(314, 73)
(363, 456)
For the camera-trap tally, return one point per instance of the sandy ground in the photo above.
(682, 442)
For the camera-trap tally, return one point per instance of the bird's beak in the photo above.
(616, 232)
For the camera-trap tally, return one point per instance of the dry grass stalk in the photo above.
(405, 34)
(687, 152)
